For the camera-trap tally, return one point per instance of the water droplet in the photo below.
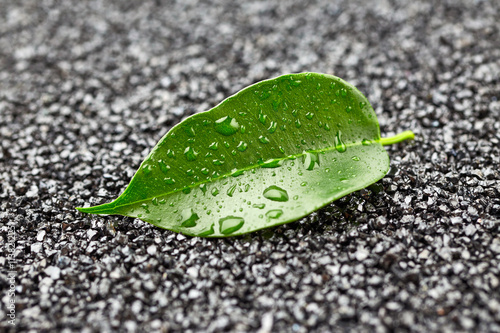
(186, 190)
(274, 214)
(310, 160)
(309, 115)
(205, 171)
(343, 92)
(272, 163)
(275, 193)
(327, 127)
(209, 231)
(217, 162)
(146, 208)
(303, 184)
(190, 172)
(281, 149)
(154, 201)
(348, 108)
(259, 206)
(170, 153)
(169, 181)
(190, 154)
(230, 224)
(262, 118)
(146, 170)
(264, 95)
(189, 218)
(366, 142)
(362, 105)
(214, 146)
(339, 144)
(263, 139)
(226, 126)
(247, 187)
(242, 146)
(215, 191)
(163, 166)
(355, 158)
(231, 190)
(298, 123)
(235, 172)
(272, 127)
(203, 188)
(295, 197)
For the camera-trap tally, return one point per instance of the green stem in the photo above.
(406, 135)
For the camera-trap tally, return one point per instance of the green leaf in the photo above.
(271, 154)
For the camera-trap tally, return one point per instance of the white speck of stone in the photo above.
(280, 270)
(91, 233)
(36, 247)
(194, 294)
(266, 323)
(361, 254)
(53, 272)
(41, 235)
(456, 220)
(119, 146)
(192, 272)
(470, 230)
(33, 192)
(151, 250)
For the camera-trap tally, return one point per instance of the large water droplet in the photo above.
(190, 154)
(163, 166)
(226, 126)
(242, 146)
(209, 231)
(263, 139)
(272, 163)
(339, 144)
(230, 224)
(259, 206)
(275, 193)
(366, 142)
(310, 160)
(274, 214)
(272, 127)
(231, 190)
(189, 218)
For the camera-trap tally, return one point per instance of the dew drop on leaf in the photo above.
(226, 126)
(272, 127)
(214, 146)
(163, 166)
(231, 190)
(209, 231)
(189, 218)
(274, 213)
(355, 158)
(215, 191)
(169, 181)
(259, 206)
(366, 142)
(190, 154)
(275, 193)
(230, 224)
(310, 160)
(262, 118)
(242, 146)
(205, 171)
(263, 139)
(272, 163)
(309, 115)
(339, 144)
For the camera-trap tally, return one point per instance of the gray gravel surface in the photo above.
(88, 87)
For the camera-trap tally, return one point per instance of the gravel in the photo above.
(88, 87)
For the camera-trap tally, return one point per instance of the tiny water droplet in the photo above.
(205, 171)
(275, 193)
(154, 201)
(186, 190)
(214, 146)
(259, 206)
(309, 115)
(263, 139)
(303, 184)
(348, 108)
(203, 188)
(343, 92)
(298, 123)
(190, 154)
(226, 126)
(327, 127)
(215, 191)
(281, 149)
(217, 162)
(230, 224)
(274, 214)
(190, 172)
(231, 190)
(339, 144)
(362, 105)
(170, 153)
(242, 146)
(247, 187)
(355, 158)
(295, 197)
(189, 218)
(146, 170)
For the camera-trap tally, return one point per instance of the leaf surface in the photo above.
(270, 154)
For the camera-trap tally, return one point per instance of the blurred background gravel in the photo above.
(87, 88)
